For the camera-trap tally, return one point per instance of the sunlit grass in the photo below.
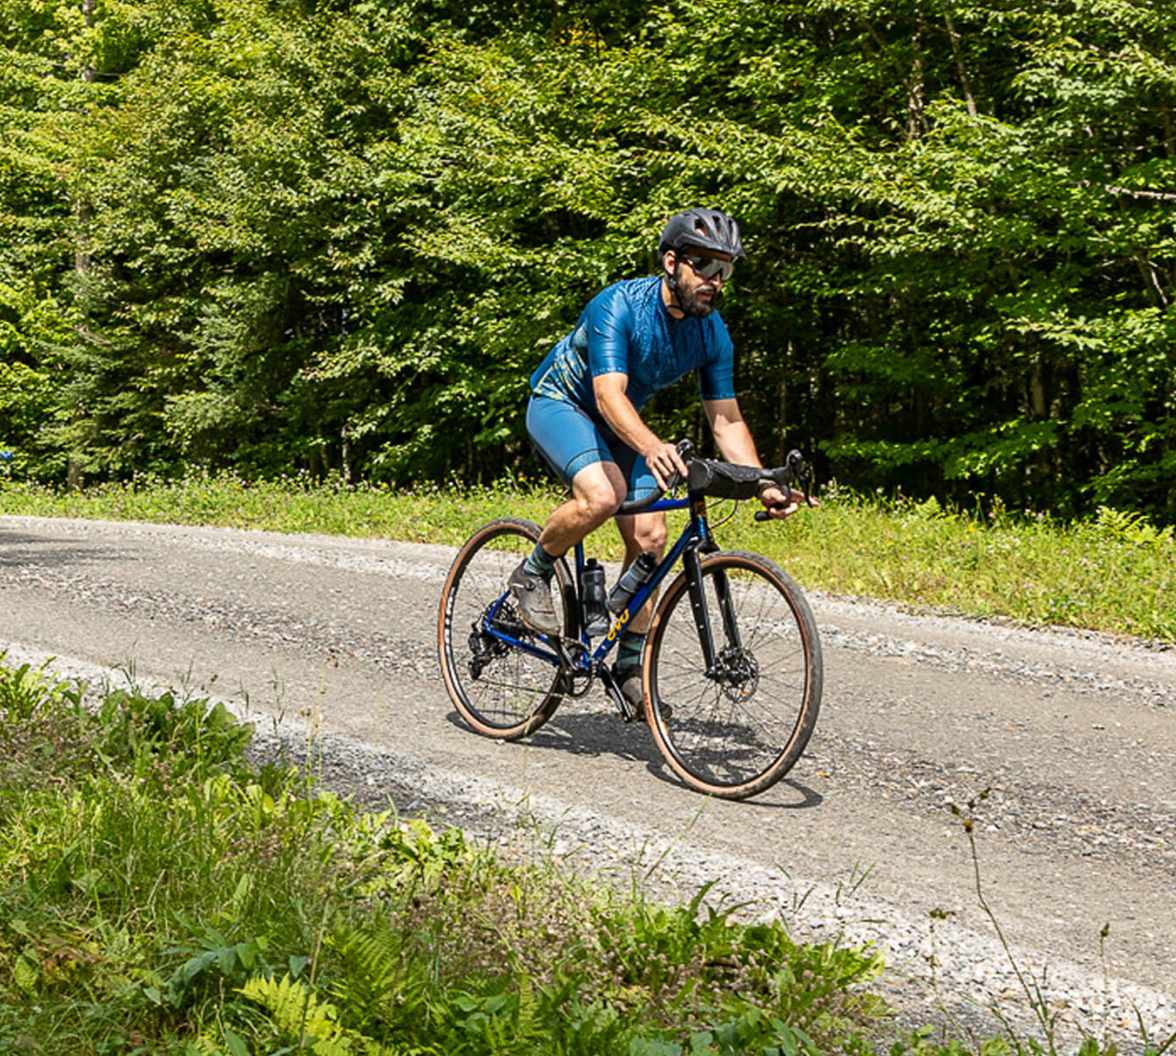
(1112, 572)
(159, 894)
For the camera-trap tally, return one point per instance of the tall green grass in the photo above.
(161, 895)
(1111, 572)
(158, 895)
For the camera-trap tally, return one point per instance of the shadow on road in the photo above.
(19, 548)
(602, 733)
(595, 733)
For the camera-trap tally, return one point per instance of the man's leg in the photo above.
(641, 533)
(597, 490)
(571, 444)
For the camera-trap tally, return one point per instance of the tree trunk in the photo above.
(916, 101)
(83, 214)
(965, 82)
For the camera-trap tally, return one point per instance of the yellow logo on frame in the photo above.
(621, 621)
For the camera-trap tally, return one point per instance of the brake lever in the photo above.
(686, 453)
(805, 475)
(802, 474)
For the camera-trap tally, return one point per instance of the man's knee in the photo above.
(653, 539)
(598, 497)
(598, 506)
(649, 533)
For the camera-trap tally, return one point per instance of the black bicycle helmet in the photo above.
(705, 228)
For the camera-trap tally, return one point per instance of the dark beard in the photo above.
(688, 302)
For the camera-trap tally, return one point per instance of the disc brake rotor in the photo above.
(737, 673)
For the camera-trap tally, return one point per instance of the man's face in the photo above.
(695, 291)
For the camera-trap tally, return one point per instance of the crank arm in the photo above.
(615, 695)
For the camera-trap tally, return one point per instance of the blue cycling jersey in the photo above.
(627, 328)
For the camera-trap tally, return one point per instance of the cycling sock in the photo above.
(629, 653)
(540, 563)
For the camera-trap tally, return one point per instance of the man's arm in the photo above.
(735, 444)
(731, 433)
(618, 410)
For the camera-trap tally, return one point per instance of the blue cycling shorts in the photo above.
(569, 439)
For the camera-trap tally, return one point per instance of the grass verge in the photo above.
(157, 895)
(1114, 572)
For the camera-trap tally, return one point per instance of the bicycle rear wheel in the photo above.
(499, 688)
(735, 730)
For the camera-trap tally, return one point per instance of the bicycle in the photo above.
(732, 649)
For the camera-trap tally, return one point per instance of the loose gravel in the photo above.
(938, 971)
(939, 974)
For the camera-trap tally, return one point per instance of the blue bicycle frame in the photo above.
(693, 536)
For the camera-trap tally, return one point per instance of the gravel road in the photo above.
(331, 641)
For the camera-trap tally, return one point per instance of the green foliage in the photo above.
(26, 691)
(193, 736)
(214, 954)
(340, 236)
(298, 1014)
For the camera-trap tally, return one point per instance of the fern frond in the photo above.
(376, 954)
(298, 1013)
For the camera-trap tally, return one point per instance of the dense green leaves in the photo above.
(341, 235)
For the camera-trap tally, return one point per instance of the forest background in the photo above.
(339, 236)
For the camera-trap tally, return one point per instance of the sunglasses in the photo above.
(709, 267)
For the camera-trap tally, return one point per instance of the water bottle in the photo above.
(596, 619)
(635, 577)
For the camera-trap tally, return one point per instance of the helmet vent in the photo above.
(705, 229)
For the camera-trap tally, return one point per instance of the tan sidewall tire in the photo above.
(809, 708)
(446, 657)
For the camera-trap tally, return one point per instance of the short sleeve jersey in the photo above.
(627, 328)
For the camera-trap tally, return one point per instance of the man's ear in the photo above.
(669, 260)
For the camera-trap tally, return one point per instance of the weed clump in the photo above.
(158, 893)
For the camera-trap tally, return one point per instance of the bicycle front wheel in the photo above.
(500, 675)
(735, 727)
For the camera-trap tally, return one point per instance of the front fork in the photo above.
(692, 563)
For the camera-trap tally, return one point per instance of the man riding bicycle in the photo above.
(634, 339)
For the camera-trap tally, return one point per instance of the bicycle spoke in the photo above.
(502, 689)
(742, 724)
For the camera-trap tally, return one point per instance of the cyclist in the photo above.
(633, 339)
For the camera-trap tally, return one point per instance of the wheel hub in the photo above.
(737, 673)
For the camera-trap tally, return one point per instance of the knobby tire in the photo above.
(736, 731)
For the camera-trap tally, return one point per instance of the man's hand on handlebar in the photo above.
(777, 505)
(664, 461)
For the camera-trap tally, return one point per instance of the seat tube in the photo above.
(577, 598)
(692, 565)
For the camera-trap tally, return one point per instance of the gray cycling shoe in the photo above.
(533, 593)
(630, 681)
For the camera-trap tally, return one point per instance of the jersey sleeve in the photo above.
(716, 377)
(608, 325)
